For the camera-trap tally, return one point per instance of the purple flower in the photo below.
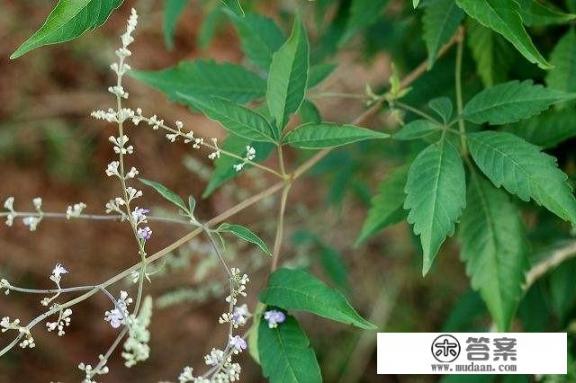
(139, 215)
(144, 233)
(240, 315)
(238, 343)
(274, 317)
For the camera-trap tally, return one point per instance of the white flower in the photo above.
(64, 319)
(57, 273)
(250, 153)
(32, 222)
(4, 284)
(76, 210)
(37, 202)
(112, 169)
(117, 316)
(9, 203)
(132, 173)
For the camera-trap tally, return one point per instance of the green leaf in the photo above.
(172, 11)
(546, 130)
(166, 193)
(67, 21)
(503, 16)
(234, 6)
(235, 118)
(536, 14)
(563, 290)
(364, 13)
(563, 57)
(245, 234)
(205, 78)
(493, 55)
(415, 3)
(440, 21)
(209, 26)
(511, 101)
(224, 170)
(288, 77)
(299, 290)
(416, 129)
(260, 37)
(286, 355)
(325, 135)
(443, 107)
(523, 170)
(386, 207)
(436, 195)
(494, 248)
(309, 113)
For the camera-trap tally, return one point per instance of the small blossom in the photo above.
(112, 169)
(214, 358)
(139, 215)
(133, 193)
(9, 203)
(4, 284)
(238, 343)
(240, 315)
(64, 319)
(75, 210)
(274, 317)
(32, 222)
(144, 233)
(57, 273)
(117, 316)
(37, 202)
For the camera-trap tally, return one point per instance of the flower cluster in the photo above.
(55, 277)
(31, 220)
(64, 319)
(6, 325)
(90, 372)
(75, 210)
(4, 284)
(221, 362)
(136, 348)
(119, 314)
(250, 155)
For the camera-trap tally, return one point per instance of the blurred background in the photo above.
(51, 148)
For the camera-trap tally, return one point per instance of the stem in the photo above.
(458, 83)
(417, 111)
(280, 227)
(91, 217)
(543, 267)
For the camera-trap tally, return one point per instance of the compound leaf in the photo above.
(288, 76)
(67, 21)
(523, 170)
(299, 290)
(235, 118)
(563, 57)
(245, 234)
(234, 6)
(286, 355)
(503, 16)
(511, 101)
(166, 193)
(325, 135)
(440, 21)
(436, 196)
(386, 207)
(492, 235)
(205, 78)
